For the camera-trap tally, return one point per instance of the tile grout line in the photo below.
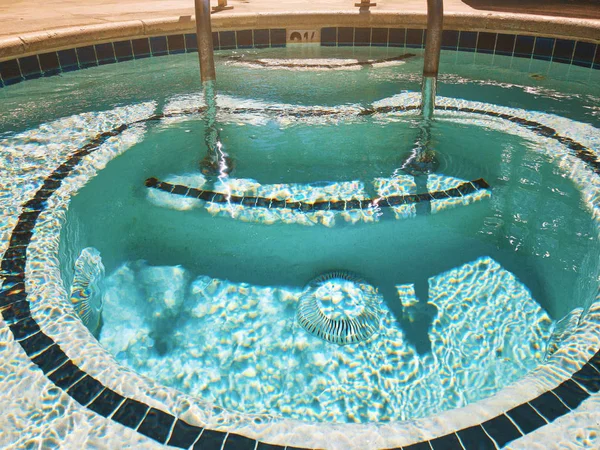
(146, 415)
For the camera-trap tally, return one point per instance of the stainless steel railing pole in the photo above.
(435, 25)
(205, 42)
(216, 164)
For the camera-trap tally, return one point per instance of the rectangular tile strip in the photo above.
(85, 390)
(557, 50)
(264, 446)
(570, 393)
(474, 438)
(157, 425)
(526, 418)
(210, 440)
(184, 435)
(238, 442)
(549, 406)
(131, 413)
(565, 51)
(502, 430)
(448, 442)
(396, 200)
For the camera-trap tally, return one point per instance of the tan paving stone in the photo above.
(25, 16)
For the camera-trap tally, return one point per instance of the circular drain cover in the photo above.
(339, 307)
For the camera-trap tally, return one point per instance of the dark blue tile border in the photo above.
(584, 54)
(53, 63)
(362, 37)
(502, 430)
(345, 37)
(544, 47)
(191, 42)
(176, 44)
(278, 37)
(141, 48)
(160, 425)
(450, 40)
(210, 440)
(105, 53)
(505, 44)
(157, 425)
(329, 37)
(397, 37)
(123, 50)
(158, 46)
(565, 51)
(475, 438)
(227, 40)
(86, 56)
(49, 63)
(526, 418)
(415, 38)
(184, 435)
(68, 60)
(524, 46)
(263, 446)
(486, 43)
(30, 67)
(467, 41)
(379, 37)
(10, 72)
(448, 442)
(215, 38)
(244, 39)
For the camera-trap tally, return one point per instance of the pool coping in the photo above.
(32, 43)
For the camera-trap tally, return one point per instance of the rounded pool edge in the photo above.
(33, 43)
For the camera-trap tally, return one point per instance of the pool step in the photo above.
(468, 187)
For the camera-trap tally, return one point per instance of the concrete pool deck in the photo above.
(34, 26)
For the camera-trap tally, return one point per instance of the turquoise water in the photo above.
(205, 300)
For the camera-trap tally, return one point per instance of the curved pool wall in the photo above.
(56, 341)
(583, 53)
(144, 408)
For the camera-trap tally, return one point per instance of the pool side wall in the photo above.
(136, 40)
(585, 30)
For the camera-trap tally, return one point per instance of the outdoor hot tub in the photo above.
(341, 273)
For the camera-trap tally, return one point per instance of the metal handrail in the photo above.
(205, 42)
(435, 25)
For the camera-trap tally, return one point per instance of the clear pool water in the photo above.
(204, 296)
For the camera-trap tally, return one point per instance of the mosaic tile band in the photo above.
(168, 429)
(565, 51)
(340, 205)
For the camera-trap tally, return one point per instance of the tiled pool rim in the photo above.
(166, 428)
(582, 53)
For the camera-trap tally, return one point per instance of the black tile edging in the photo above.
(28, 67)
(330, 205)
(166, 428)
(564, 51)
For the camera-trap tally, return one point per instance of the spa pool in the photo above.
(334, 259)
